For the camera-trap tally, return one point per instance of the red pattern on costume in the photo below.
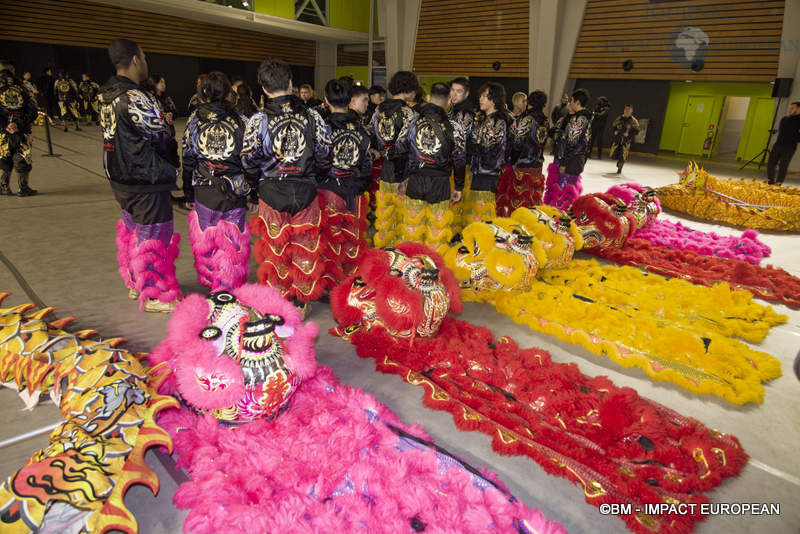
(519, 188)
(343, 236)
(769, 283)
(617, 446)
(288, 251)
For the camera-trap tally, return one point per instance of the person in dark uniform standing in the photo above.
(89, 90)
(573, 139)
(47, 92)
(67, 96)
(17, 113)
(625, 129)
(140, 158)
(599, 125)
(782, 151)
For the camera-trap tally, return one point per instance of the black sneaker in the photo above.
(5, 190)
(27, 192)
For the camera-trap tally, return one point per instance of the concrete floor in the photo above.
(62, 243)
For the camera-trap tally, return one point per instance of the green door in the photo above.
(756, 129)
(695, 125)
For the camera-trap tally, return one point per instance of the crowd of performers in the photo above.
(311, 172)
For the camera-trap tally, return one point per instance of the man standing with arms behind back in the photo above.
(140, 159)
(782, 151)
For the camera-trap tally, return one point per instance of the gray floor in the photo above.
(62, 242)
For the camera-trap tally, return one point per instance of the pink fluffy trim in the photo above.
(331, 464)
(221, 254)
(746, 247)
(557, 196)
(153, 266)
(126, 240)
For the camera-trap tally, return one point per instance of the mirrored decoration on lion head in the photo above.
(641, 200)
(238, 355)
(603, 220)
(407, 290)
(494, 255)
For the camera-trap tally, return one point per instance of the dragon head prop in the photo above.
(238, 355)
(407, 290)
(642, 201)
(603, 220)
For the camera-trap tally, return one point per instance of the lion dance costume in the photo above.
(615, 445)
(434, 144)
(286, 145)
(390, 119)
(246, 372)
(522, 182)
(342, 197)
(18, 107)
(486, 153)
(214, 180)
(141, 162)
(572, 142)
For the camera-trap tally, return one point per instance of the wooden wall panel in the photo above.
(78, 23)
(466, 37)
(744, 39)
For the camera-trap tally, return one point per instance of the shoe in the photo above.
(24, 189)
(133, 294)
(619, 170)
(156, 306)
(5, 190)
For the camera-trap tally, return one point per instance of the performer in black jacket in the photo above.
(625, 129)
(17, 113)
(47, 92)
(89, 91)
(68, 96)
(341, 189)
(486, 153)
(287, 145)
(390, 118)
(463, 112)
(572, 145)
(783, 149)
(599, 125)
(522, 183)
(216, 188)
(141, 161)
(433, 144)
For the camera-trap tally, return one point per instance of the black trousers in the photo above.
(780, 157)
(597, 139)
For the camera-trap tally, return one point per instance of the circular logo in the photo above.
(689, 45)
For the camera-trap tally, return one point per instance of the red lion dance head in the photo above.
(603, 221)
(406, 289)
(239, 355)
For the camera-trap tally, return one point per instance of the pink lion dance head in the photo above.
(237, 355)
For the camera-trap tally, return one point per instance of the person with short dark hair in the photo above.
(377, 94)
(432, 142)
(140, 159)
(287, 145)
(341, 189)
(783, 149)
(68, 97)
(599, 125)
(359, 102)
(28, 84)
(561, 110)
(463, 112)
(625, 129)
(216, 187)
(571, 147)
(17, 113)
(390, 119)
(486, 152)
(245, 105)
(522, 183)
(158, 86)
(89, 91)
